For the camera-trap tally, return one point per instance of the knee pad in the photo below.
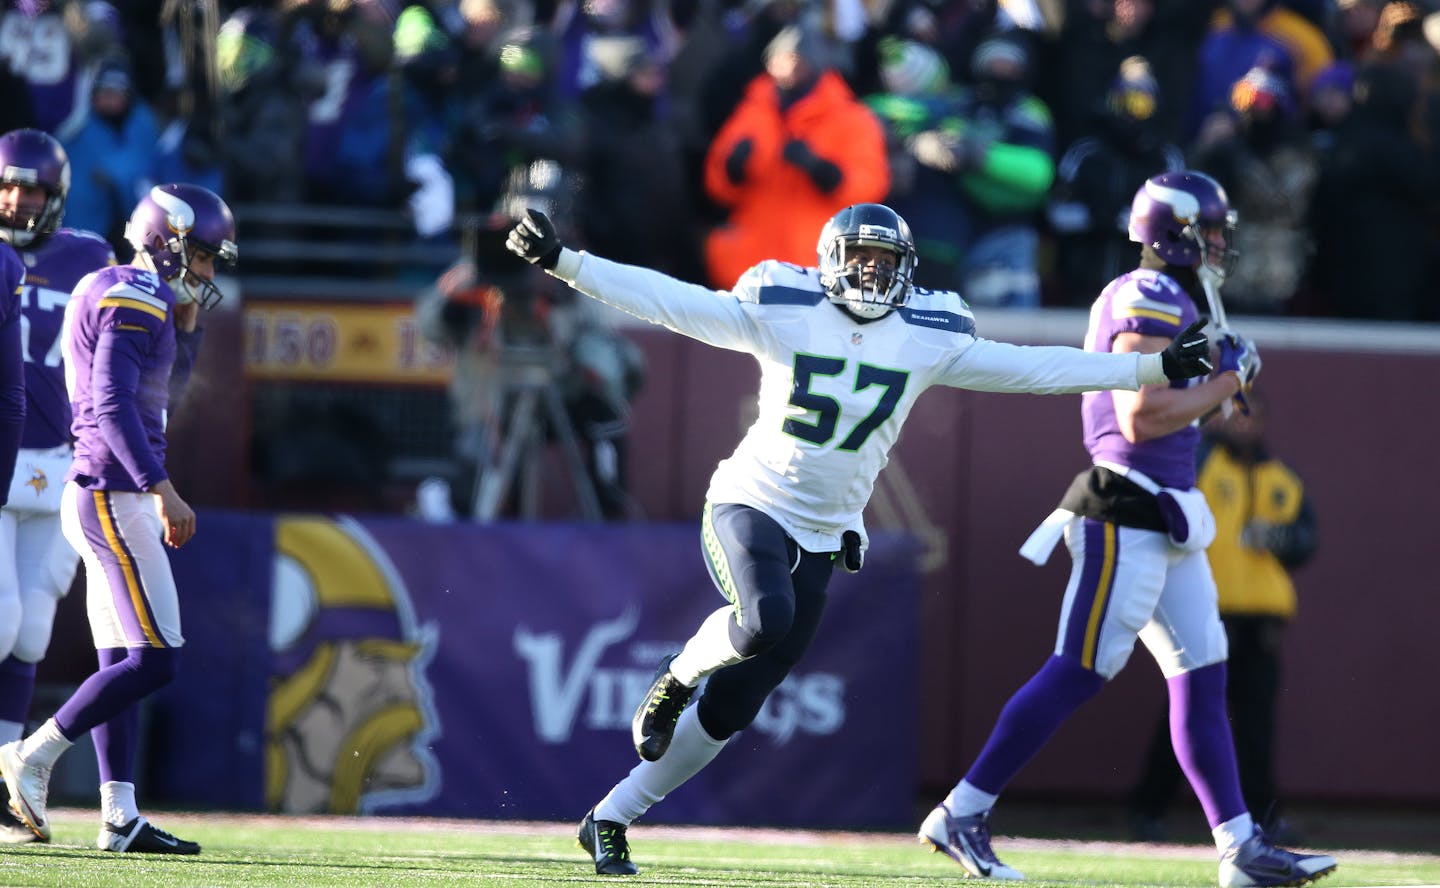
(153, 667)
(36, 626)
(764, 626)
(10, 616)
(733, 696)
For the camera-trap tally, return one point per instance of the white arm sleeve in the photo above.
(989, 366)
(712, 316)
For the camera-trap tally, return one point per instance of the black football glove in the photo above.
(852, 556)
(534, 240)
(1187, 355)
(735, 163)
(822, 172)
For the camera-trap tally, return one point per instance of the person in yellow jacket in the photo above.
(1264, 529)
(797, 149)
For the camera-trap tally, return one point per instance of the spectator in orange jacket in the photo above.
(797, 149)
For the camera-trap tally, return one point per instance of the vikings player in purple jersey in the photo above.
(12, 362)
(118, 506)
(845, 349)
(34, 182)
(1136, 531)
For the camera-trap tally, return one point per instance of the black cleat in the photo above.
(654, 722)
(1257, 863)
(140, 836)
(13, 830)
(605, 840)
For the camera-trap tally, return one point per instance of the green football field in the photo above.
(254, 850)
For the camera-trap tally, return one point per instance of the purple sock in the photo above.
(116, 740)
(1033, 714)
(1200, 733)
(125, 677)
(17, 686)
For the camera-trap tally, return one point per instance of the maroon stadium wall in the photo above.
(1353, 407)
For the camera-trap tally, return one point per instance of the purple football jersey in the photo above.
(39, 50)
(51, 272)
(119, 346)
(12, 364)
(1152, 304)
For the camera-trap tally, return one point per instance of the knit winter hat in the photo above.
(910, 68)
(1004, 48)
(1260, 88)
(1134, 92)
(803, 40)
(416, 34)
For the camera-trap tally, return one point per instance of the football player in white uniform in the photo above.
(844, 351)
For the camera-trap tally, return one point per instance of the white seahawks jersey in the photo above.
(834, 392)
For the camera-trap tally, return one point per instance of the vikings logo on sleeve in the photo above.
(351, 713)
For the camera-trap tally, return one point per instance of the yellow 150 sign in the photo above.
(340, 343)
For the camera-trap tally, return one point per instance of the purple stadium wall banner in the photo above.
(381, 665)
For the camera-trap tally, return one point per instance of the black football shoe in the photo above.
(605, 840)
(13, 830)
(654, 722)
(143, 837)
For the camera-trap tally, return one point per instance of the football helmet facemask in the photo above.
(1185, 217)
(172, 222)
(867, 290)
(33, 158)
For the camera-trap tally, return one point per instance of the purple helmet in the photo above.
(1172, 214)
(869, 294)
(173, 221)
(32, 157)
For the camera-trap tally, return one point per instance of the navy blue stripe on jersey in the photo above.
(940, 320)
(773, 294)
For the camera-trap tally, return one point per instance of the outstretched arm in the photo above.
(1158, 410)
(1058, 369)
(712, 316)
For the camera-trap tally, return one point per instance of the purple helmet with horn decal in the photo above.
(172, 222)
(1185, 217)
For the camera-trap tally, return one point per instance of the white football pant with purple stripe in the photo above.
(1127, 583)
(129, 589)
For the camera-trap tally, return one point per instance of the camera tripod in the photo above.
(526, 398)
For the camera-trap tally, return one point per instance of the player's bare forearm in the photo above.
(1158, 410)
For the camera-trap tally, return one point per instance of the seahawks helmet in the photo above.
(1172, 213)
(866, 291)
(35, 158)
(173, 221)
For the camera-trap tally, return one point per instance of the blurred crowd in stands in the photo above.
(698, 136)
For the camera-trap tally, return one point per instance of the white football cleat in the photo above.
(1255, 863)
(29, 787)
(967, 841)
